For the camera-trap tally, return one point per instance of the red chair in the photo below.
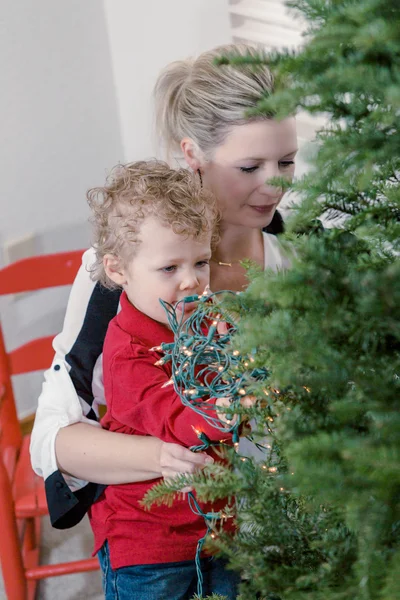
(22, 495)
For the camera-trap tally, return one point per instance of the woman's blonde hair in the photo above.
(147, 188)
(198, 99)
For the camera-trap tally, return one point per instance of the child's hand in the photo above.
(222, 327)
(246, 402)
(224, 403)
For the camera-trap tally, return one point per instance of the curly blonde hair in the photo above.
(147, 188)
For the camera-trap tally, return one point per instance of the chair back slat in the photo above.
(10, 433)
(39, 272)
(36, 355)
(10, 456)
(26, 275)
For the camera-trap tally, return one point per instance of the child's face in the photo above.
(166, 266)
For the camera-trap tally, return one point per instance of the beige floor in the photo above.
(62, 546)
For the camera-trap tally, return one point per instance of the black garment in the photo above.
(277, 225)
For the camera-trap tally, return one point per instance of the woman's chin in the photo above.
(259, 222)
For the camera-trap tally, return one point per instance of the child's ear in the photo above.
(191, 154)
(114, 270)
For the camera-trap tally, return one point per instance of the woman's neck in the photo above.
(236, 245)
(239, 243)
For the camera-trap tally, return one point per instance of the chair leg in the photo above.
(32, 589)
(32, 534)
(15, 583)
(31, 552)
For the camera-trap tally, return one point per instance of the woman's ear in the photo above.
(113, 269)
(191, 154)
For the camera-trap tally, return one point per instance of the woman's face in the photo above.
(240, 167)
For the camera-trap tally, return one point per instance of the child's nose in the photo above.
(189, 282)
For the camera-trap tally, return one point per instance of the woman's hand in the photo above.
(175, 460)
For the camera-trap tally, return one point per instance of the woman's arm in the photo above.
(112, 458)
(67, 395)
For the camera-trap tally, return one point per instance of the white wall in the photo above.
(59, 132)
(59, 120)
(144, 37)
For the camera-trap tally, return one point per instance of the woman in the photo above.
(200, 114)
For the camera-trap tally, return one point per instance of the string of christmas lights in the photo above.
(204, 364)
(205, 367)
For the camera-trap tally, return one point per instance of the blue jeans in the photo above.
(166, 581)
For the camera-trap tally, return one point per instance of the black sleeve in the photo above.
(67, 508)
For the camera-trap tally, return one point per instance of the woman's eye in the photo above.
(284, 164)
(248, 169)
(170, 269)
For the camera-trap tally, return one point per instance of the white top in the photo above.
(60, 404)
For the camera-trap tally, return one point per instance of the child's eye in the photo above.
(202, 263)
(170, 269)
(284, 164)
(248, 169)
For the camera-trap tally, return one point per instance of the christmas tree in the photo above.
(319, 515)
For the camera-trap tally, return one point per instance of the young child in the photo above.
(154, 228)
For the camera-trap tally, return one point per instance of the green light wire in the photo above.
(204, 366)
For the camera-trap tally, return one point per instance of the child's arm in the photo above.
(141, 400)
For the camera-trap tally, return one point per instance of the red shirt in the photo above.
(138, 404)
